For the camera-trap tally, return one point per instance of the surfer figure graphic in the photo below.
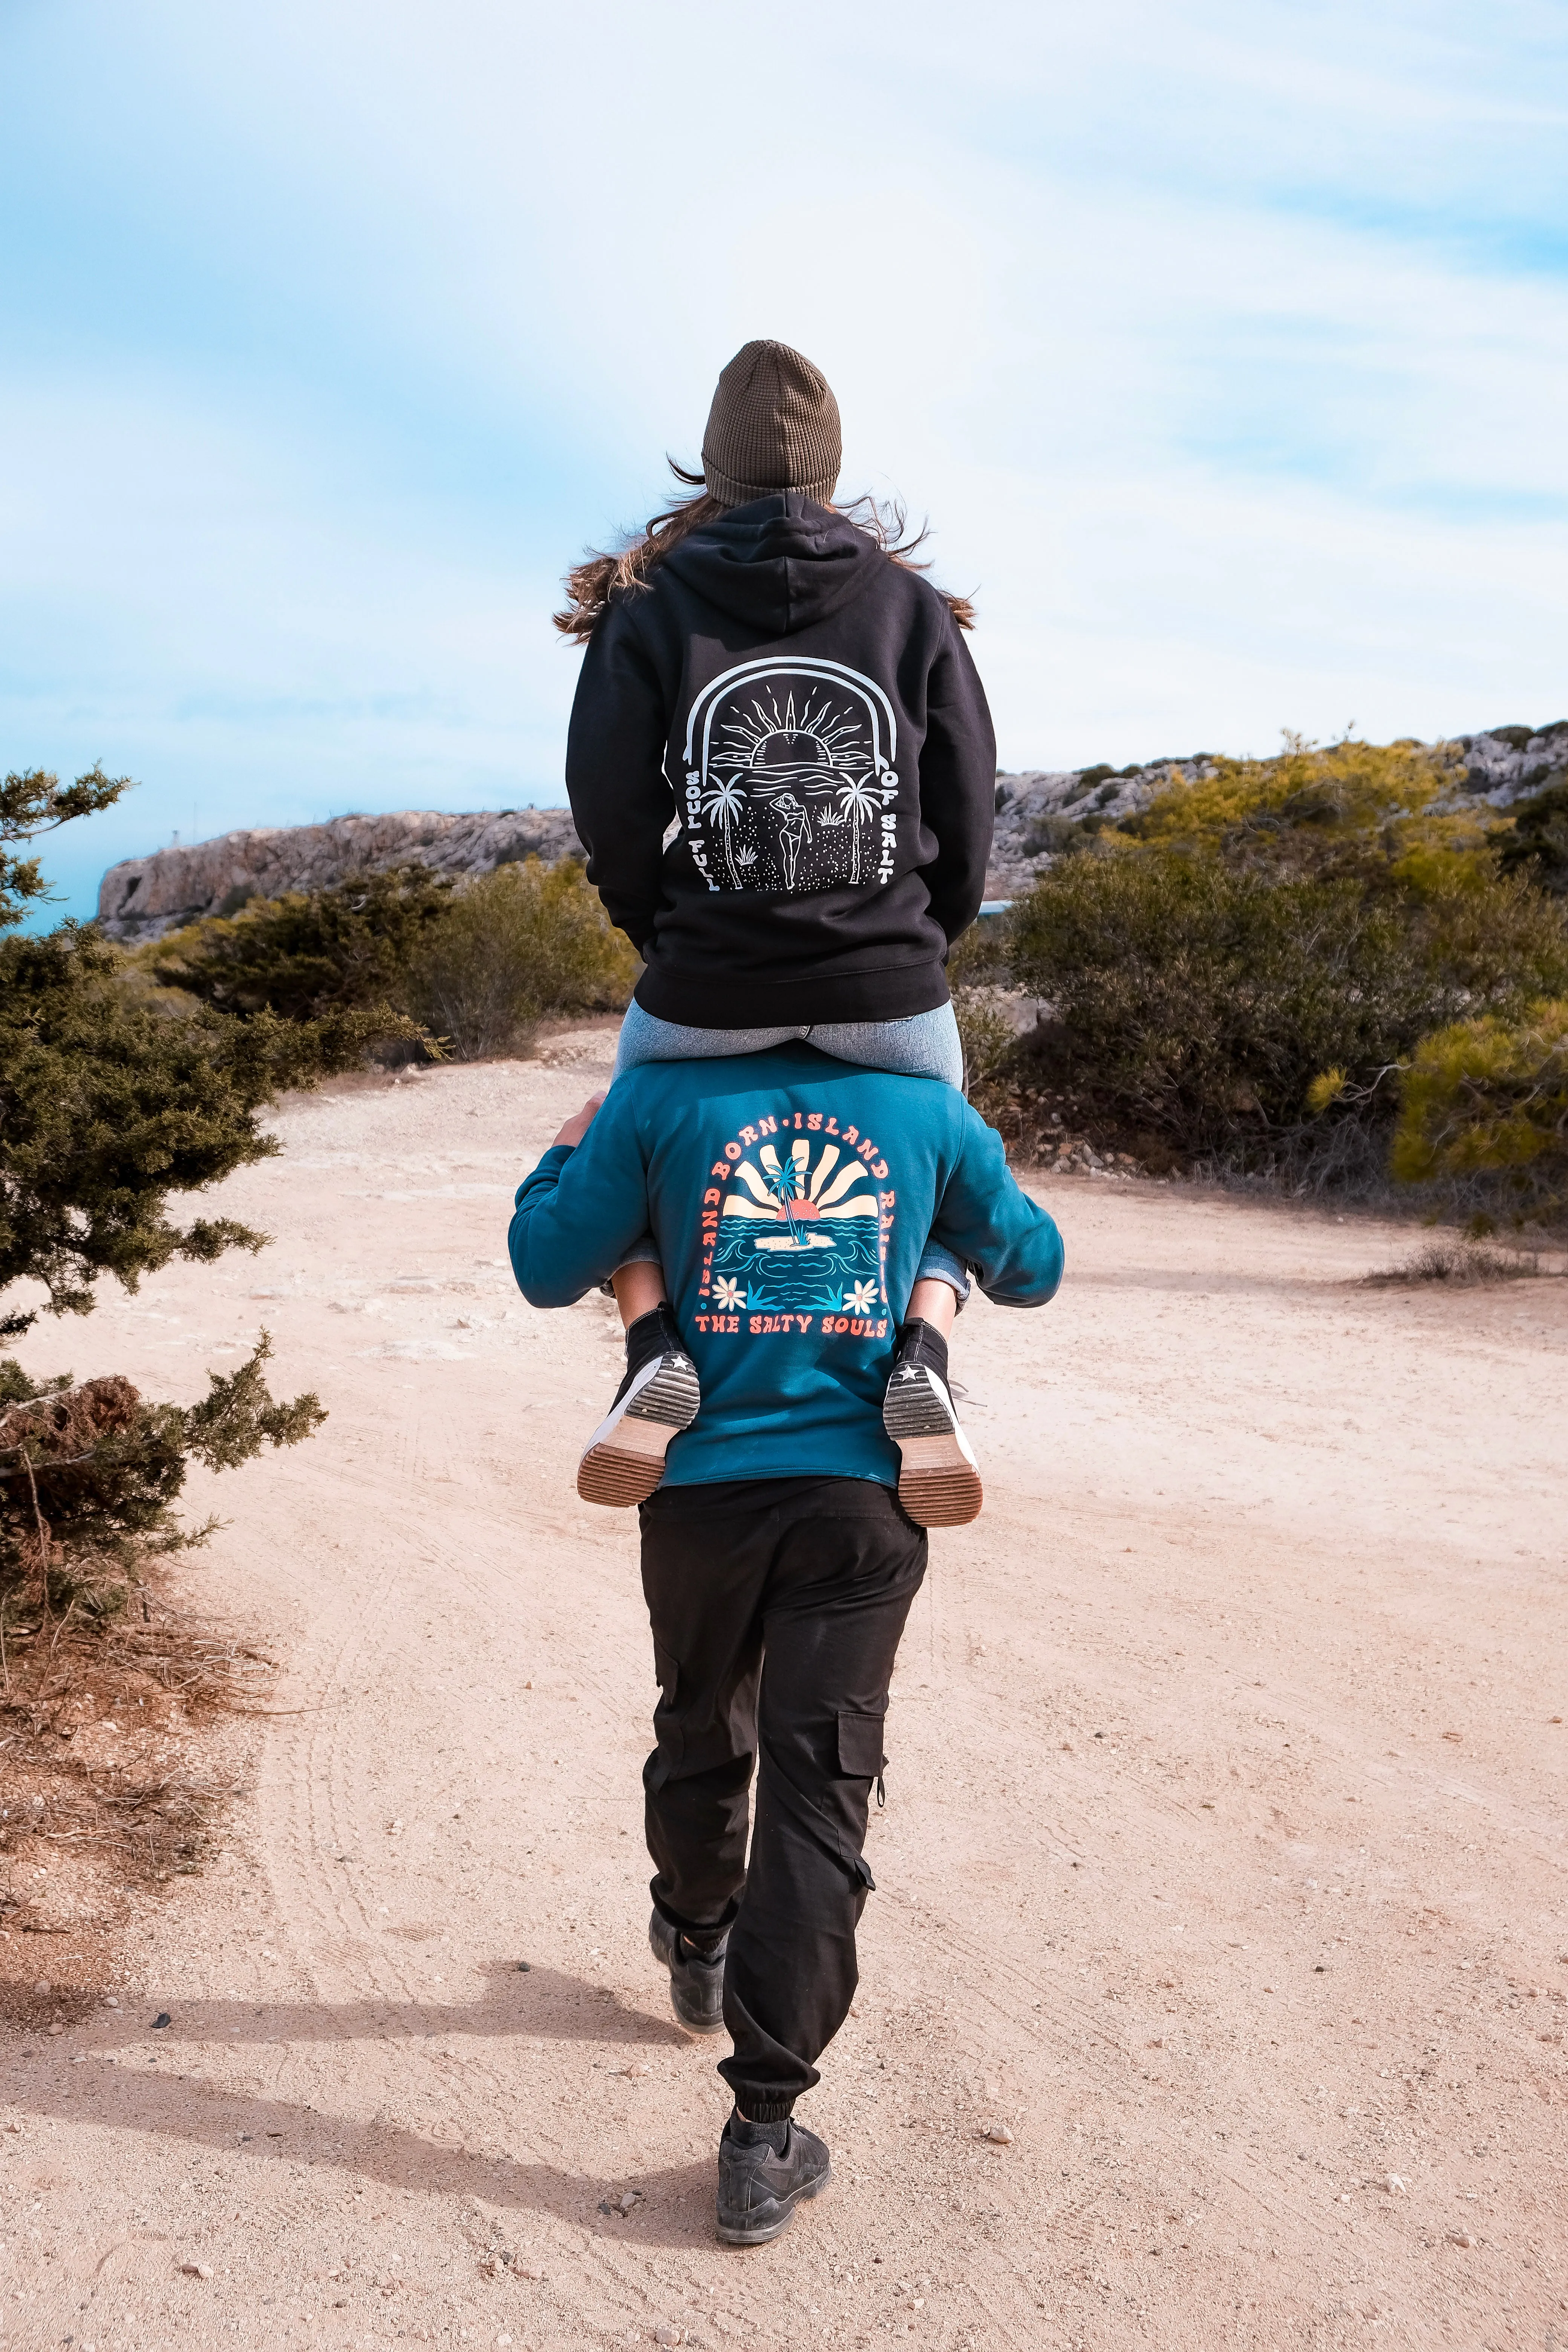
(795, 827)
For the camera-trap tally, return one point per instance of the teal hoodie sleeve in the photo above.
(985, 1219)
(581, 1209)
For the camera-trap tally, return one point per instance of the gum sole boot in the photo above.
(625, 1459)
(939, 1479)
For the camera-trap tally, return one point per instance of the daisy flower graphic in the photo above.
(859, 1298)
(727, 1294)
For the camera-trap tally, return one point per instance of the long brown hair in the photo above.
(591, 585)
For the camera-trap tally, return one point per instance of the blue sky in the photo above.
(1224, 345)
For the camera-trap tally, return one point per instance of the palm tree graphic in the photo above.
(790, 1185)
(727, 801)
(856, 800)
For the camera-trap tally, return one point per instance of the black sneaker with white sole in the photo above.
(939, 1478)
(696, 1978)
(760, 2185)
(658, 1398)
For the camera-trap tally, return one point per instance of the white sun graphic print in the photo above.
(790, 783)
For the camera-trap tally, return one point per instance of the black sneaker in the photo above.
(658, 1398)
(760, 2185)
(939, 1479)
(696, 1980)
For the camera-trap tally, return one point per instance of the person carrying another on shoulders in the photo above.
(782, 766)
(790, 1196)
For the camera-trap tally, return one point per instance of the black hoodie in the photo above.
(781, 765)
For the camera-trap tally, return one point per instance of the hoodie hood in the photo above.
(778, 564)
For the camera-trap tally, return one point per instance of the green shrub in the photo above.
(309, 952)
(990, 1043)
(981, 958)
(35, 801)
(1060, 836)
(1489, 1097)
(106, 1109)
(109, 1107)
(1537, 848)
(1195, 999)
(524, 942)
(477, 963)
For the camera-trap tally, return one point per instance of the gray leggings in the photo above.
(926, 1045)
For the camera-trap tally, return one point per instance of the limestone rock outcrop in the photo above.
(144, 898)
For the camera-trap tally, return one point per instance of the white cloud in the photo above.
(1224, 345)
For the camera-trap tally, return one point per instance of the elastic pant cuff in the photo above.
(759, 2108)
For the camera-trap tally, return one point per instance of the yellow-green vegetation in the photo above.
(470, 967)
(1195, 1000)
(511, 947)
(89, 1473)
(1349, 810)
(1490, 1096)
(1269, 965)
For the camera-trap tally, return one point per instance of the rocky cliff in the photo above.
(144, 897)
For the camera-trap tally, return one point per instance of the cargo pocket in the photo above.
(666, 1721)
(861, 1753)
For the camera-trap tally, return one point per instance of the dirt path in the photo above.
(1223, 1861)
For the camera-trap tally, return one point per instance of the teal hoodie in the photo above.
(791, 1196)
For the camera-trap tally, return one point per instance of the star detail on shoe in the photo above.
(727, 1294)
(859, 1299)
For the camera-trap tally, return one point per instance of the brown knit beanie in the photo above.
(773, 425)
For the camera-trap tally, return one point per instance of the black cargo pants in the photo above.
(777, 1608)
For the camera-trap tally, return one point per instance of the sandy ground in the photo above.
(1223, 1862)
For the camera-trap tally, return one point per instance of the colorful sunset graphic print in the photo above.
(800, 1222)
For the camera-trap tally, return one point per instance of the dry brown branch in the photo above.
(145, 1820)
(69, 1423)
(1457, 1260)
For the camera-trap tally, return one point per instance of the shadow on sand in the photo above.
(675, 2203)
